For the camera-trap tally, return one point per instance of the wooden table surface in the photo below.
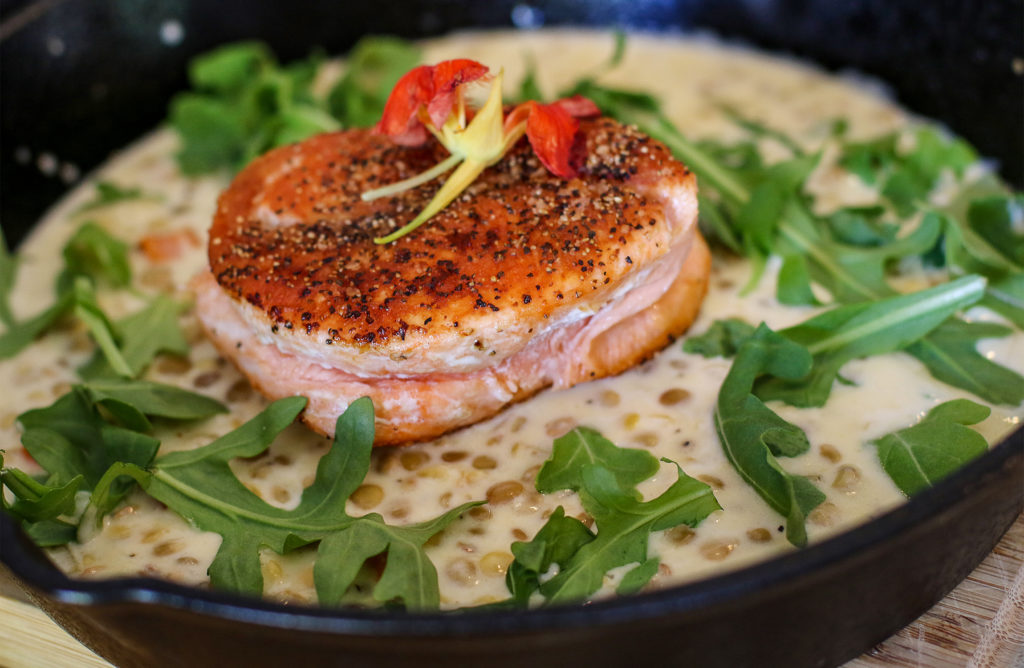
(979, 625)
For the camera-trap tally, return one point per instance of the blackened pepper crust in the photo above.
(292, 238)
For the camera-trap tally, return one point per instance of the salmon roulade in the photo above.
(525, 280)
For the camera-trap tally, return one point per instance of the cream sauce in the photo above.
(664, 406)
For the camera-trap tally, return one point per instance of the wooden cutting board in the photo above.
(979, 625)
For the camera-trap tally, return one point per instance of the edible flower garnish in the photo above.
(429, 100)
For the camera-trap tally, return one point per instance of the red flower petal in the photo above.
(433, 87)
(448, 76)
(399, 120)
(518, 115)
(551, 130)
(578, 106)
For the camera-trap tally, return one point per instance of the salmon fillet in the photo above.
(525, 281)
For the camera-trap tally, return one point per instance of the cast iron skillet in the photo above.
(81, 78)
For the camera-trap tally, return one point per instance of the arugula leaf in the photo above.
(862, 330)
(20, 335)
(850, 273)
(997, 219)
(184, 481)
(861, 226)
(968, 251)
(634, 580)
(79, 300)
(87, 310)
(605, 477)
(132, 401)
(229, 69)
(71, 438)
(624, 529)
(143, 334)
(557, 541)
(917, 457)
(1006, 297)
(375, 65)
(760, 130)
(871, 158)
(244, 104)
(583, 447)
(765, 209)
(38, 505)
(714, 224)
(51, 533)
(722, 339)
(212, 133)
(35, 501)
(906, 178)
(950, 354)
(94, 253)
(759, 217)
(8, 272)
(752, 435)
(109, 193)
(91, 253)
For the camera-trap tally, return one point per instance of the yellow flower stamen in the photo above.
(477, 146)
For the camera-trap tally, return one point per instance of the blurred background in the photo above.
(79, 78)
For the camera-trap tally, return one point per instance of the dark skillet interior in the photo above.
(110, 81)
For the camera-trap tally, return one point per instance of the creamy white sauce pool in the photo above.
(664, 406)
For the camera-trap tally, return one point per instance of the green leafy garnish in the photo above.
(906, 178)
(8, 273)
(199, 485)
(951, 355)
(374, 66)
(39, 506)
(80, 301)
(997, 220)
(757, 209)
(20, 335)
(1006, 297)
(557, 542)
(584, 447)
(861, 330)
(94, 253)
(141, 336)
(244, 104)
(722, 339)
(91, 256)
(855, 331)
(919, 456)
(132, 402)
(72, 437)
(109, 193)
(753, 436)
(86, 309)
(605, 477)
(125, 348)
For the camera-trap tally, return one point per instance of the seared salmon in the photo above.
(526, 280)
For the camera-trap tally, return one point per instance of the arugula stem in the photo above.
(697, 160)
(820, 255)
(963, 291)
